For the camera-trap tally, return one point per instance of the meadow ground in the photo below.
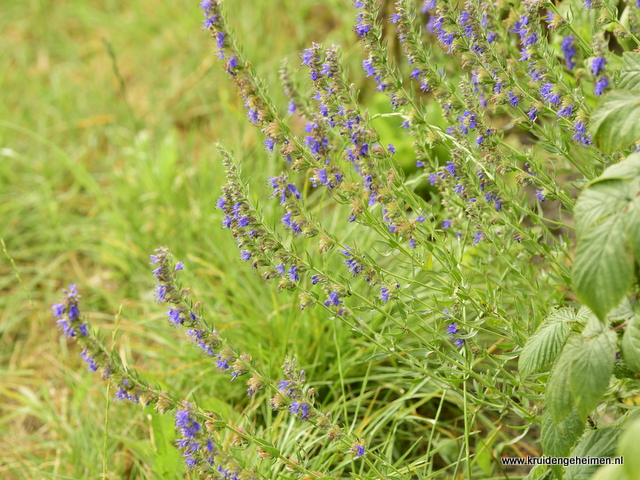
(108, 117)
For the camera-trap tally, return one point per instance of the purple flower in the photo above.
(161, 293)
(66, 328)
(532, 114)
(384, 294)
(601, 84)
(74, 312)
(598, 65)
(546, 92)
(513, 99)
(459, 342)
(253, 115)
(428, 5)
(540, 195)
(300, 409)
(452, 329)
(209, 22)
(464, 21)
(477, 237)
(581, 135)
(569, 51)
(179, 266)
(294, 273)
(123, 394)
(187, 423)
(244, 255)
(391, 148)
(369, 69)
(446, 224)
(360, 451)
(174, 316)
(58, 310)
(362, 28)
(334, 299)
(93, 366)
(566, 111)
(222, 363)
(220, 37)
(451, 168)
(307, 56)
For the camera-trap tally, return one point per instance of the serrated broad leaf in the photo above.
(599, 201)
(597, 443)
(632, 221)
(631, 344)
(558, 440)
(614, 123)
(559, 399)
(590, 372)
(608, 229)
(545, 344)
(628, 169)
(603, 269)
(610, 472)
(628, 448)
(630, 72)
(539, 472)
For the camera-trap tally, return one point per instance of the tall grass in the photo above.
(102, 159)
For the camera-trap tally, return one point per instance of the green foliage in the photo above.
(597, 443)
(628, 448)
(614, 123)
(98, 170)
(558, 439)
(631, 344)
(545, 344)
(607, 225)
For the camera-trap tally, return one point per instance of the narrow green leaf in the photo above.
(558, 440)
(545, 344)
(630, 72)
(628, 448)
(597, 443)
(559, 399)
(603, 268)
(590, 371)
(631, 344)
(614, 123)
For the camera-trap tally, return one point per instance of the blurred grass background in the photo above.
(95, 174)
